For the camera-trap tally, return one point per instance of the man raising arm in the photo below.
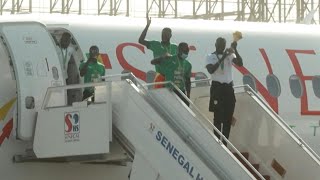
(222, 98)
(142, 38)
(158, 48)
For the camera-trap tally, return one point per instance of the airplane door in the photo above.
(36, 65)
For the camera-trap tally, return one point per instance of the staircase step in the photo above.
(245, 154)
(267, 177)
(256, 166)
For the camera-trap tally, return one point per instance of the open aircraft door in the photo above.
(36, 65)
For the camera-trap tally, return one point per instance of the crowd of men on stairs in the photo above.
(171, 64)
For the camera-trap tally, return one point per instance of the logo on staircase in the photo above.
(71, 126)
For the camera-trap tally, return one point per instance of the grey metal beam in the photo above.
(66, 6)
(114, 7)
(162, 7)
(244, 10)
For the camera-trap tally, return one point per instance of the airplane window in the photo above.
(200, 76)
(295, 86)
(55, 73)
(249, 79)
(273, 85)
(150, 76)
(316, 85)
(29, 102)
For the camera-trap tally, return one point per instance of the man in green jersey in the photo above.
(91, 70)
(163, 48)
(177, 69)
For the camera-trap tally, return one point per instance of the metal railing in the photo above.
(291, 132)
(301, 142)
(144, 91)
(145, 87)
(212, 127)
(68, 87)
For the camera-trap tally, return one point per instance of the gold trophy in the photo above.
(237, 36)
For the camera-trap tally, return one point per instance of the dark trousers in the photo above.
(181, 97)
(87, 94)
(222, 104)
(74, 95)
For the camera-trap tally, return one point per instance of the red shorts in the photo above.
(159, 78)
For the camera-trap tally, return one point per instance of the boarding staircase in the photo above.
(262, 136)
(168, 141)
(163, 137)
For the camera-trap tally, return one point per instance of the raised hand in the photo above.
(148, 20)
(234, 45)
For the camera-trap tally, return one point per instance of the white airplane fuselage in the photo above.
(286, 51)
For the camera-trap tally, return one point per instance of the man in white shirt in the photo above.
(65, 52)
(222, 98)
(69, 67)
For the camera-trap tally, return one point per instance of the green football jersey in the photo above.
(94, 72)
(176, 70)
(159, 49)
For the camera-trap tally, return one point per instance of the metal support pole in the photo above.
(63, 7)
(160, 9)
(18, 5)
(50, 6)
(238, 10)
(222, 10)
(1, 6)
(207, 7)
(176, 8)
(298, 8)
(243, 10)
(128, 8)
(111, 8)
(194, 8)
(80, 7)
(280, 5)
(147, 7)
(285, 11)
(13, 7)
(30, 6)
(67, 7)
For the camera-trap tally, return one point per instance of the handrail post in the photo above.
(109, 106)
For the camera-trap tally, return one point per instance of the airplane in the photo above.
(280, 63)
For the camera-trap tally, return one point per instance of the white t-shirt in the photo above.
(64, 56)
(224, 72)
